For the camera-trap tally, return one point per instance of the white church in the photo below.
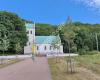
(41, 45)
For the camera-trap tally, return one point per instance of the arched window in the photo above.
(45, 48)
(31, 32)
(29, 43)
(37, 47)
(50, 47)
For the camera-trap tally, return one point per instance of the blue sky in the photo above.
(52, 11)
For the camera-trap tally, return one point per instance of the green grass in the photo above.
(87, 68)
(91, 62)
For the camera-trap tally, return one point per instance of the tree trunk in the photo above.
(97, 42)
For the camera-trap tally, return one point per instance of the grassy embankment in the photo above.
(4, 63)
(87, 68)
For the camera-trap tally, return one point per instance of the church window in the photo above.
(37, 47)
(31, 32)
(29, 43)
(50, 47)
(45, 48)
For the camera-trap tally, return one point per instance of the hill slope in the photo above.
(44, 29)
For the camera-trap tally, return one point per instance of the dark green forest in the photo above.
(45, 29)
(13, 36)
(80, 37)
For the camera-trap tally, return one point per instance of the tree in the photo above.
(5, 43)
(56, 43)
(44, 29)
(4, 39)
(15, 26)
(18, 48)
(68, 38)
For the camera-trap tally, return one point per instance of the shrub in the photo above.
(86, 48)
(74, 49)
(92, 52)
(82, 52)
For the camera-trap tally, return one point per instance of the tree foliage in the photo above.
(80, 36)
(44, 29)
(12, 27)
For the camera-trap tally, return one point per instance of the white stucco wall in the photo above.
(41, 49)
(31, 40)
(27, 50)
(31, 37)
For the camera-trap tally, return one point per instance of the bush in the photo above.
(82, 52)
(86, 48)
(74, 49)
(7, 53)
(92, 52)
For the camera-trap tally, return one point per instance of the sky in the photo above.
(54, 11)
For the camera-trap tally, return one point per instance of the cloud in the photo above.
(90, 3)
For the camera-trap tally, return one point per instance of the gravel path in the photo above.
(27, 70)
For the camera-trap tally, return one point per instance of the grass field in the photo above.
(91, 62)
(87, 67)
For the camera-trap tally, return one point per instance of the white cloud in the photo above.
(90, 3)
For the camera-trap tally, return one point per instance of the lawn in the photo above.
(87, 67)
(91, 62)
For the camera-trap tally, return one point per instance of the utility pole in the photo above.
(97, 42)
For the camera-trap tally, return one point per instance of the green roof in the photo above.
(29, 25)
(45, 39)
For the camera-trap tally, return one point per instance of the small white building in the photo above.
(45, 45)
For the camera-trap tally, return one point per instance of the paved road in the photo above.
(27, 70)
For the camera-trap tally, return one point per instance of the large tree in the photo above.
(15, 28)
